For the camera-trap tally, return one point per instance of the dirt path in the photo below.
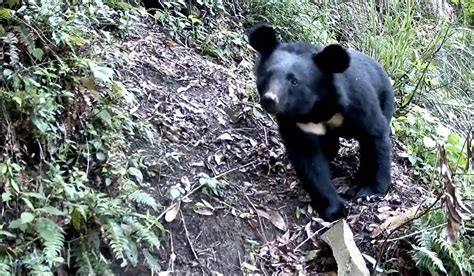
(205, 124)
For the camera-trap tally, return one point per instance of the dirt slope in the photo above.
(205, 124)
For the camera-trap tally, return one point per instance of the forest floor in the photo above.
(260, 221)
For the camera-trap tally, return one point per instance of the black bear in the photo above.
(318, 95)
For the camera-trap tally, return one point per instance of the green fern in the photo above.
(5, 265)
(53, 240)
(86, 254)
(428, 259)
(144, 198)
(143, 232)
(432, 252)
(25, 37)
(153, 263)
(13, 52)
(117, 239)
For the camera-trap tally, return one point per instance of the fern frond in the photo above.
(25, 36)
(53, 239)
(427, 259)
(153, 263)
(456, 254)
(117, 239)
(83, 257)
(143, 232)
(11, 40)
(86, 256)
(5, 265)
(144, 198)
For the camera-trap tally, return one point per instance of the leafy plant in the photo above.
(65, 180)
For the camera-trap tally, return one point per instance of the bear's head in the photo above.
(293, 78)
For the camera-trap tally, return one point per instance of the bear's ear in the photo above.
(262, 38)
(332, 59)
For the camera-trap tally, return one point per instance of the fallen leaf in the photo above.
(197, 164)
(207, 204)
(248, 266)
(252, 142)
(186, 183)
(454, 206)
(171, 136)
(171, 214)
(348, 257)
(218, 159)
(394, 222)
(263, 214)
(225, 136)
(184, 88)
(202, 209)
(277, 219)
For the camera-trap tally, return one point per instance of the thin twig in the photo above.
(172, 255)
(258, 217)
(314, 234)
(416, 233)
(187, 237)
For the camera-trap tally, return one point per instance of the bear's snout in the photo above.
(270, 103)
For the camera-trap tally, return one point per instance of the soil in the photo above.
(258, 219)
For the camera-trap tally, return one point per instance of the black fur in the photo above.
(311, 84)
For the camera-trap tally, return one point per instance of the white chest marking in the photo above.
(321, 128)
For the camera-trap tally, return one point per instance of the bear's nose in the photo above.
(269, 102)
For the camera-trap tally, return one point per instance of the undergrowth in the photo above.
(71, 198)
(429, 56)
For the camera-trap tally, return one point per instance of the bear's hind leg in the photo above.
(373, 176)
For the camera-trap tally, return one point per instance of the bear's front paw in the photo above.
(333, 212)
(365, 191)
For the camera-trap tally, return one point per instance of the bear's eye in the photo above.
(294, 81)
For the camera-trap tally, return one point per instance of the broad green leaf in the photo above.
(28, 203)
(175, 192)
(27, 217)
(6, 196)
(52, 211)
(14, 185)
(429, 142)
(76, 219)
(39, 123)
(100, 156)
(37, 53)
(3, 168)
(137, 173)
(6, 234)
(6, 13)
(77, 40)
(16, 224)
(104, 115)
(454, 139)
(102, 73)
(7, 72)
(34, 195)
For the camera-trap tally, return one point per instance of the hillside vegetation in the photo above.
(91, 91)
